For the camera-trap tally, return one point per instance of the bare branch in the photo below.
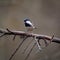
(25, 35)
(30, 51)
(22, 33)
(18, 48)
(27, 46)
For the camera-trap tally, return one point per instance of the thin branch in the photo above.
(38, 44)
(27, 46)
(8, 30)
(2, 35)
(14, 37)
(30, 51)
(18, 48)
(46, 43)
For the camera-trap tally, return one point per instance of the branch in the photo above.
(18, 48)
(25, 35)
(30, 51)
(22, 33)
(27, 46)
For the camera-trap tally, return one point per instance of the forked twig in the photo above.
(51, 38)
(38, 43)
(46, 43)
(26, 35)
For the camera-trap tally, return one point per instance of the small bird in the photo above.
(29, 25)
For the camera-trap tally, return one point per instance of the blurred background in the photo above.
(45, 14)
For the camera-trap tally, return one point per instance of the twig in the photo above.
(27, 46)
(2, 35)
(14, 37)
(18, 48)
(30, 51)
(38, 44)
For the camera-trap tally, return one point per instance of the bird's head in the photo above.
(26, 19)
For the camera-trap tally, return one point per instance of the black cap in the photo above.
(27, 19)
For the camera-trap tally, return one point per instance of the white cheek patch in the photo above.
(29, 23)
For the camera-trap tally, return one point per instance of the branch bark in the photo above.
(22, 33)
(25, 35)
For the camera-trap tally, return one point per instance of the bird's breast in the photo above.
(27, 25)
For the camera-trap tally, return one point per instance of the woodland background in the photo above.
(45, 14)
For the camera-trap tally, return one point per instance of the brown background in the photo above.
(46, 16)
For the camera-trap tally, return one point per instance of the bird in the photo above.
(29, 25)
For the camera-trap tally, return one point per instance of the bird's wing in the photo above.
(30, 23)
